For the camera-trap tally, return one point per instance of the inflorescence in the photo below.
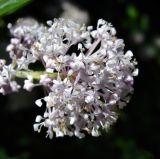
(86, 73)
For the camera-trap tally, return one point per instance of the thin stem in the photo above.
(93, 46)
(34, 74)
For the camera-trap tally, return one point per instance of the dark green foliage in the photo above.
(10, 6)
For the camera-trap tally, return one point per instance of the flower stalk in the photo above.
(34, 74)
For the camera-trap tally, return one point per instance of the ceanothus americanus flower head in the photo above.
(94, 75)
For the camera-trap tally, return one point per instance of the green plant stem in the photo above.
(34, 74)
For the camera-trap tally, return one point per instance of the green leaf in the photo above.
(3, 153)
(144, 23)
(9, 6)
(132, 12)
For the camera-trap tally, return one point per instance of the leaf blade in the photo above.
(10, 6)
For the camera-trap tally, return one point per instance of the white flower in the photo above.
(135, 72)
(7, 84)
(91, 81)
(38, 102)
(28, 84)
(72, 120)
(89, 85)
(129, 54)
(95, 132)
(89, 99)
(45, 80)
(38, 118)
(14, 86)
(101, 22)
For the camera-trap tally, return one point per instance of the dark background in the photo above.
(136, 135)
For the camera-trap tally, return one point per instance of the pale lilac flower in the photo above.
(91, 82)
(25, 33)
(7, 84)
(28, 84)
(95, 83)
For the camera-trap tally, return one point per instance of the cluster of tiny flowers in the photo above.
(7, 82)
(91, 83)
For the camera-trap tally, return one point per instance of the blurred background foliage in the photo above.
(10, 6)
(136, 135)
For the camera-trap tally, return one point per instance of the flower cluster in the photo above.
(7, 74)
(87, 74)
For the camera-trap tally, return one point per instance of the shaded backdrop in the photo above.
(136, 135)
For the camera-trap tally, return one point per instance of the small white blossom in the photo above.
(135, 72)
(45, 80)
(89, 99)
(28, 84)
(38, 118)
(93, 82)
(90, 82)
(95, 132)
(7, 84)
(38, 102)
